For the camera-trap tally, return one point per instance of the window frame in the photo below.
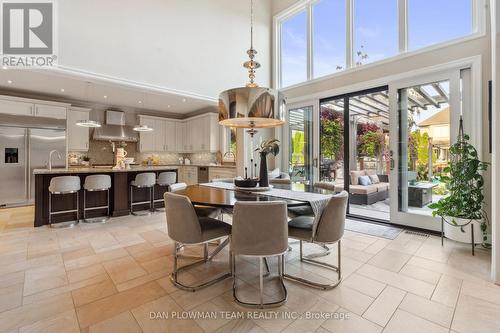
(478, 13)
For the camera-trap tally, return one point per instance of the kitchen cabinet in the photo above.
(147, 139)
(215, 173)
(188, 175)
(50, 111)
(180, 136)
(193, 135)
(30, 107)
(78, 137)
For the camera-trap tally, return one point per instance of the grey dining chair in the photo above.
(259, 230)
(328, 230)
(186, 228)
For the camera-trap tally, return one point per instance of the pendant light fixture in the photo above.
(251, 106)
(86, 122)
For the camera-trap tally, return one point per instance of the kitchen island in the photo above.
(119, 195)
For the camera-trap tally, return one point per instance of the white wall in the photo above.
(196, 46)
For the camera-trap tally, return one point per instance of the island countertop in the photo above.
(74, 170)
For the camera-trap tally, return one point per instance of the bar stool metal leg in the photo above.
(132, 203)
(69, 224)
(102, 219)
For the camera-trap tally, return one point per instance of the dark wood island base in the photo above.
(119, 194)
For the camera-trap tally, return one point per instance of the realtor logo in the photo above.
(28, 33)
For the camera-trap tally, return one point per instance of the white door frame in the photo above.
(453, 76)
(285, 159)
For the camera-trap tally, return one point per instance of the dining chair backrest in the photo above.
(259, 228)
(178, 187)
(182, 222)
(332, 221)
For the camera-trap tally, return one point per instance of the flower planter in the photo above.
(454, 233)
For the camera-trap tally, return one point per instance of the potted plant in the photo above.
(266, 147)
(85, 160)
(465, 183)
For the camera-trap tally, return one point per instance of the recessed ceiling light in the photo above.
(62, 90)
(140, 102)
(105, 96)
(5, 67)
(168, 106)
(184, 100)
(9, 81)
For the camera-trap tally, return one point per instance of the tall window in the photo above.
(375, 30)
(329, 37)
(313, 40)
(446, 21)
(294, 50)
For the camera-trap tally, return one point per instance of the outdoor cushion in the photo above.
(355, 176)
(274, 174)
(381, 187)
(364, 180)
(374, 179)
(360, 189)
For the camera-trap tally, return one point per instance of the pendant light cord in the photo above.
(251, 24)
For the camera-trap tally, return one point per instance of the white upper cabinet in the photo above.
(16, 108)
(50, 111)
(27, 107)
(78, 136)
(196, 134)
(147, 139)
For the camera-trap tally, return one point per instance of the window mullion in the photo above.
(403, 25)
(310, 65)
(349, 4)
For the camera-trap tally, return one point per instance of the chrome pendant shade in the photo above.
(251, 106)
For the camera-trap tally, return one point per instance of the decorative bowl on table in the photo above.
(248, 182)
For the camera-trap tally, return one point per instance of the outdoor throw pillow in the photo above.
(364, 180)
(374, 179)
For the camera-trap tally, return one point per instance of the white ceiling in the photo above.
(82, 90)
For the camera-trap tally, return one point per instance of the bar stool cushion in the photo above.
(97, 182)
(64, 184)
(166, 178)
(213, 228)
(145, 179)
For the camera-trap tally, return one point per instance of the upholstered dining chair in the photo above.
(328, 230)
(187, 228)
(259, 230)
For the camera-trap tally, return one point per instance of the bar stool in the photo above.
(142, 180)
(96, 183)
(61, 186)
(166, 178)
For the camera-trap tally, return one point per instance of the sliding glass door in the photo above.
(299, 148)
(424, 123)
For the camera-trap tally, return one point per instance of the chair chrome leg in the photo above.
(261, 303)
(147, 212)
(320, 264)
(175, 273)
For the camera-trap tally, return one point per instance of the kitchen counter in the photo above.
(71, 170)
(205, 165)
(119, 194)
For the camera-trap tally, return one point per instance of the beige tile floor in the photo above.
(114, 278)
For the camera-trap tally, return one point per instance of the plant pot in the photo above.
(263, 176)
(454, 233)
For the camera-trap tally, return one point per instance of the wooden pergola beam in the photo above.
(426, 96)
(440, 90)
(358, 99)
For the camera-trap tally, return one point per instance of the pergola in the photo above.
(375, 106)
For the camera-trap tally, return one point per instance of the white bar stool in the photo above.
(61, 186)
(96, 183)
(142, 180)
(166, 178)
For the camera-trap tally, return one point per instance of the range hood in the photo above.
(115, 129)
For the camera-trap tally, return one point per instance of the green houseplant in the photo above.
(464, 180)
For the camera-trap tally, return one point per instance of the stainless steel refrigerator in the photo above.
(23, 149)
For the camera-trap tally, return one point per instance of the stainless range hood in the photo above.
(115, 129)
